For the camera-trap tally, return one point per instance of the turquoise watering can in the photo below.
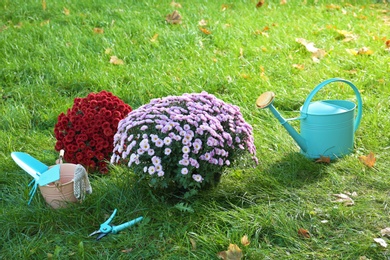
(327, 127)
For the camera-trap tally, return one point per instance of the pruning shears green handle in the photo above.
(106, 228)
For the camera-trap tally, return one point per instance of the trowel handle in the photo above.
(326, 82)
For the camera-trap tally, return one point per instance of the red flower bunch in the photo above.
(87, 130)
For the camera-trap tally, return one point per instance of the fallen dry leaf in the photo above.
(98, 30)
(343, 198)
(260, 3)
(233, 253)
(154, 38)
(385, 232)
(323, 159)
(361, 51)
(298, 66)
(127, 250)
(283, 2)
(317, 53)
(224, 7)
(245, 241)
(368, 160)
(347, 36)
(381, 242)
(202, 22)
(114, 60)
(173, 18)
(66, 11)
(303, 233)
(174, 4)
(193, 244)
(204, 30)
(387, 45)
(44, 5)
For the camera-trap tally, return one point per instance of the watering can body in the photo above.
(326, 127)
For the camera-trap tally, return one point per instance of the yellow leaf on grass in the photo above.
(202, 22)
(283, 2)
(107, 51)
(66, 11)
(173, 18)
(347, 36)
(298, 66)
(98, 30)
(44, 5)
(233, 253)
(174, 4)
(114, 60)
(317, 53)
(245, 241)
(368, 160)
(154, 38)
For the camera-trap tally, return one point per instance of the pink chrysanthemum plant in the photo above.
(183, 142)
(86, 131)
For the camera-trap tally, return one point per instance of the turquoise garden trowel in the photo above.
(41, 173)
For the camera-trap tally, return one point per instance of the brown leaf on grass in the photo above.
(387, 45)
(98, 30)
(333, 7)
(233, 253)
(343, 198)
(44, 5)
(323, 159)
(303, 233)
(204, 30)
(245, 241)
(283, 2)
(173, 18)
(260, 3)
(176, 5)
(66, 11)
(114, 60)
(368, 160)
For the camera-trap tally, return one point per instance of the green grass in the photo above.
(48, 58)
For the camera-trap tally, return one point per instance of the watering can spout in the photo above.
(265, 101)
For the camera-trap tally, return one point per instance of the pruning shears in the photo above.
(106, 228)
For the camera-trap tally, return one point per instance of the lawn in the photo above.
(284, 208)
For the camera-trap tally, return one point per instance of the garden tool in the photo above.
(106, 228)
(327, 126)
(41, 173)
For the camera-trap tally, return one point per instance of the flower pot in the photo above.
(61, 193)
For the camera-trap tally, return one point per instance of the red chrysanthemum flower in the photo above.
(86, 130)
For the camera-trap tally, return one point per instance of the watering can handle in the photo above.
(326, 82)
